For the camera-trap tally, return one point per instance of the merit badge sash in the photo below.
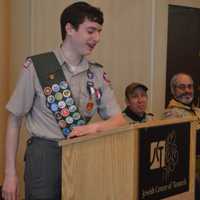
(58, 94)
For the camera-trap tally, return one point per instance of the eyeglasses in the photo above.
(184, 86)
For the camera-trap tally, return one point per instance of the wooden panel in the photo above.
(93, 169)
(190, 195)
(105, 166)
(19, 50)
(4, 74)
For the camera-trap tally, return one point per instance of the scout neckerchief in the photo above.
(57, 91)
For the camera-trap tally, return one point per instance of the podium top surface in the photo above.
(152, 123)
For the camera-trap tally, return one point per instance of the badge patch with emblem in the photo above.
(105, 78)
(27, 63)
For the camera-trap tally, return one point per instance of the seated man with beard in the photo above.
(181, 105)
(136, 101)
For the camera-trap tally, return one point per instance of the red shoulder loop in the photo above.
(27, 63)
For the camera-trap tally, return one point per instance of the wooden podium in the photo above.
(106, 166)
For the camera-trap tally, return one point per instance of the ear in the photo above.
(69, 29)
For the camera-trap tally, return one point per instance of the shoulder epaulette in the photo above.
(96, 64)
(151, 114)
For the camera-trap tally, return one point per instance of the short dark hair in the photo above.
(76, 13)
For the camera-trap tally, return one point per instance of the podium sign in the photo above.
(164, 161)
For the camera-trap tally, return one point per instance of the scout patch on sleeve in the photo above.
(27, 63)
(105, 78)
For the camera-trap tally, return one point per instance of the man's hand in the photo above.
(83, 130)
(10, 189)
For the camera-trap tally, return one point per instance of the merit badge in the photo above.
(51, 76)
(64, 112)
(58, 96)
(47, 91)
(58, 115)
(61, 104)
(72, 108)
(54, 107)
(66, 93)
(66, 131)
(69, 120)
(63, 85)
(62, 123)
(76, 116)
(72, 126)
(55, 87)
(50, 99)
(69, 101)
(81, 122)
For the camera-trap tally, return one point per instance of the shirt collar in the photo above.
(178, 104)
(83, 66)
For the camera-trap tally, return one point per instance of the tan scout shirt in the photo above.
(177, 109)
(28, 99)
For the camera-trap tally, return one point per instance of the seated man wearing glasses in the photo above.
(181, 105)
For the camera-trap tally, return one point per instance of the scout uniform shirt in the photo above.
(178, 109)
(133, 118)
(29, 100)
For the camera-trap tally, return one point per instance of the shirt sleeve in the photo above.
(108, 106)
(22, 98)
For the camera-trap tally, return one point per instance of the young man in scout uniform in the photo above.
(136, 101)
(58, 92)
(181, 105)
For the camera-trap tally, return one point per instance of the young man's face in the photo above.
(137, 102)
(86, 37)
(184, 91)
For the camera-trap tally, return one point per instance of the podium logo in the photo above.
(157, 154)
